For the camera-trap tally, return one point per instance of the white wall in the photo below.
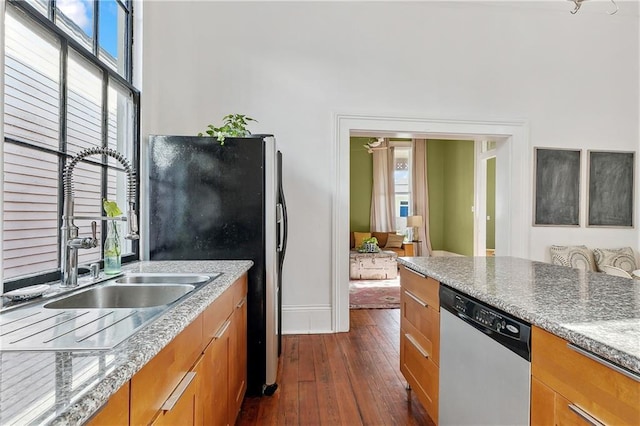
(295, 65)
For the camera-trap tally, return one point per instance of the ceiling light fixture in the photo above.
(578, 3)
(374, 144)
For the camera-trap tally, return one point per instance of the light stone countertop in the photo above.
(598, 312)
(68, 387)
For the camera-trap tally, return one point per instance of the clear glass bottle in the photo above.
(112, 249)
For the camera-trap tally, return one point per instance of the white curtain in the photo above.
(421, 194)
(383, 191)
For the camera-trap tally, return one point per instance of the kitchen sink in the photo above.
(123, 296)
(163, 279)
(97, 317)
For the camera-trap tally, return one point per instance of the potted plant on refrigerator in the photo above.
(233, 126)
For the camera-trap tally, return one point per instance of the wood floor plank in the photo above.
(346, 401)
(306, 370)
(325, 390)
(361, 373)
(308, 403)
(341, 379)
(289, 398)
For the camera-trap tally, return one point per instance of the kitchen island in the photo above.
(586, 331)
(69, 387)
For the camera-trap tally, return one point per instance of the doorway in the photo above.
(485, 197)
(512, 188)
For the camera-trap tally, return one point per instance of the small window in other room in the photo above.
(402, 184)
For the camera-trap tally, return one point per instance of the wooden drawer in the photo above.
(600, 391)
(421, 373)
(115, 411)
(239, 290)
(217, 313)
(185, 409)
(542, 404)
(423, 323)
(422, 287)
(152, 385)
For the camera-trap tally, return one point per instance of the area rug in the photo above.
(374, 294)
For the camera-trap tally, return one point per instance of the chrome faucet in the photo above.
(70, 240)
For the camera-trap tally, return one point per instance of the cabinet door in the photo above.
(215, 387)
(542, 404)
(421, 373)
(151, 386)
(183, 407)
(237, 359)
(594, 389)
(115, 411)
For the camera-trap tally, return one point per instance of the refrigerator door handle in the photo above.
(285, 223)
(280, 220)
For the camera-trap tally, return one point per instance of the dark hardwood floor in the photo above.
(341, 379)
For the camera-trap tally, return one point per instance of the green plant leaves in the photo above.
(111, 208)
(233, 125)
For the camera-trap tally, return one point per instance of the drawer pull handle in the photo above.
(222, 329)
(596, 358)
(415, 343)
(177, 393)
(585, 416)
(416, 298)
(242, 302)
(416, 272)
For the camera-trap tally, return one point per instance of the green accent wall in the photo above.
(361, 183)
(491, 203)
(450, 170)
(450, 174)
(435, 182)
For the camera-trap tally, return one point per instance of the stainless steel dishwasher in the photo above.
(485, 366)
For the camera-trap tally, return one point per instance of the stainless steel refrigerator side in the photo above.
(283, 231)
(271, 264)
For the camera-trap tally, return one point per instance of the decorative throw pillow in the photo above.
(623, 258)
(360, 237)
(394, 241)
(579, 257)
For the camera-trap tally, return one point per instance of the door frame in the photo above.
(480, 196)
(513, 189)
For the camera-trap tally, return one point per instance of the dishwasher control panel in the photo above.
(487, 317)
(510, 331)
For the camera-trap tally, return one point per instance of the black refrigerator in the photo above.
(212, 201)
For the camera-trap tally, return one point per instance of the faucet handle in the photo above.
(94, 230)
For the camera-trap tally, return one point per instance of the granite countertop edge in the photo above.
(140, 348)
(550, 324)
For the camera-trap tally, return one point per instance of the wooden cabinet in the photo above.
(420, 337)
(183, 407)
(572, 388)
(115, 411)
(225, 358)
(215, 389)
(199, 378)
(156, 381)
(237, 358)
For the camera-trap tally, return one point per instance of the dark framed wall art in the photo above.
(557, 187)
(611, 189)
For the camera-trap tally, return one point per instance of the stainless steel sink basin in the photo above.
(123, 296)
(163, 279)
(97, 317)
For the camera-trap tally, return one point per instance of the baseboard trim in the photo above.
(306, 319)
